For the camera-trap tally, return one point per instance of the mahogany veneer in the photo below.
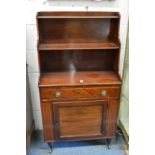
(73, 78)
(79, 83)
(78, 15)
(73, 45)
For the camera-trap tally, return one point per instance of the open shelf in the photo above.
(78, 60)
(74, 45)
(88, 45)
(78, 15)
(73, 78)
(78, 30)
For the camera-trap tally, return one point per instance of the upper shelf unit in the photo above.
(78, 30)
(78, 15)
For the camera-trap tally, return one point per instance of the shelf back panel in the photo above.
(78, 60)
(78, 30)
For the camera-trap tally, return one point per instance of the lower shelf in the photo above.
(79, 78)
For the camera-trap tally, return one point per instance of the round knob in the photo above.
(103, 92)
(57, 94)
(81, 81)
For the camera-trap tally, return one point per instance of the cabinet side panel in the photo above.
(47, 119)
(112, 117)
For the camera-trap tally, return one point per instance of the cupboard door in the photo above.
(80, 119)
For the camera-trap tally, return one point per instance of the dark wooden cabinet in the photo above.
(79, 83)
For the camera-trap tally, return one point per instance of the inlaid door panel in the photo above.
(80, 119)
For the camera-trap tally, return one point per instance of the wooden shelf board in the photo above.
(71, 46)
(73, 78)
(78, 15)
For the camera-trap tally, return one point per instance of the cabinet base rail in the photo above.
(107, 141)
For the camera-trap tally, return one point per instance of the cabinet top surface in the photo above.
(78, 15)
(79, 78)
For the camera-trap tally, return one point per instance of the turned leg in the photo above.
(50, 147)
(108, 143)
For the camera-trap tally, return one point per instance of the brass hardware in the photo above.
(103, 92)
(81, 81)
(57, 94)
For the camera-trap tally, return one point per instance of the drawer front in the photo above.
(79, 93)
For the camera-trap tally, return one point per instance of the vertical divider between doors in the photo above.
(56, 121)
(104, 117)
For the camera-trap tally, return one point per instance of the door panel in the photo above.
(80, 118)
(74, 118)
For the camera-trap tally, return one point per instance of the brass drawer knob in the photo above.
(103, 93)
(81, 81)
(57, 94)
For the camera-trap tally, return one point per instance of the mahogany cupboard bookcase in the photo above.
(79, 84)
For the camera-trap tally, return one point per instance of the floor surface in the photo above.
(92, 147)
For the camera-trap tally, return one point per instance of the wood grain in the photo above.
(73, 78)
(60, 34)
(78, 60)
(47, 118)
(74, 47)
(78, 15)
(79, 93)
(112, 117)
(75, 118)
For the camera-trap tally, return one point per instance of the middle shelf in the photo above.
(75, 45)
(79, 60)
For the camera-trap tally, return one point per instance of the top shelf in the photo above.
(78, 15)
(78, 30)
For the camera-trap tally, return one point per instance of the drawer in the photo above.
(79, 93)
